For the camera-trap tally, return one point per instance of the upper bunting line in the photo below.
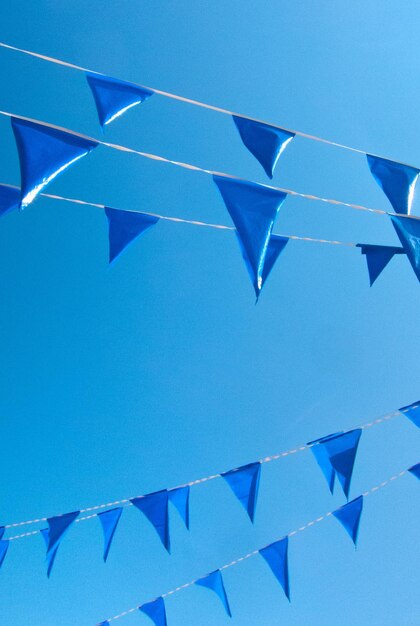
(198, 103)
(267, 459)
(196, 168)
(292, 533)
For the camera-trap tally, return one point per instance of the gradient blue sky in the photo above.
(122, 381)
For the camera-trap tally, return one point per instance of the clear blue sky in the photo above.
(122, 381)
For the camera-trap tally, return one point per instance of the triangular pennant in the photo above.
(4, 545)
(397, 181)
(408, 231)
(265, 142)
(51, 554)
(124, 228)
(105, 623)
(415, 470)
(276, 555)
(155, 508)
(253, 209)
(45, 152)
(323, 459)
(156, 611)
(109, 521)
(57, 526)
(377, 258)
(9, 199)
(412, 411)
(2, 531)
(276, 245)
(214, 581)
(114, 97)
(244, 482)
(349, 516)
(180, 498)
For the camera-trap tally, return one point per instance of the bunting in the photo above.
(4, 546)
(276, 555)
(155, 508)
(265, 142)
(124, 227)
(9, 199)
(156, 611)
(408, 231)
(377, 258)
(57, 528)
(398, 181)
(415, 470)
(180, 498)
(113, 97)
(51, 554)
(412, 411)
(349, 517)
(45, 152)
(214, 581)
(109, 522)
(244, 482)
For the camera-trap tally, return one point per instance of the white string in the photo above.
(254, 552)
(198, 103)
(193, 483)
(196, 168)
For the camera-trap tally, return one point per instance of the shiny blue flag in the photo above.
(105, 623)
(244, 482)
(156, 611)
(276, 555)
(109, 521)
(155, 508)
(180, 498)
(51, 554)
(336, 454)
(349, 516)
(276, 245)
(415, 470)
(377, 258)
(124, 227)
(4, 545)
(45, 152)
(412, 411)
(57, 527)
(9, 199)
(397, 181)
(265, 142)
(253, 209)
(214, 581)
(114, 97)
(408, 231)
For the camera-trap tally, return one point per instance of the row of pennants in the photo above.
(335, 455)
(45, 152)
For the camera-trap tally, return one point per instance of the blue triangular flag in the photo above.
(45, 152)
(276, 556)
(377, 258)
(51, 554)
(253, 209)
(4, 545)
(155, 508)
(276, 245)
(349, 516)
(109, 521)
(398, 182)
(124, 228)
(57, 526)
(156, 611)
(412, 411)
(265, 142)
(415, 470)
(214, 581)
(2, 531)
(9, 199)
(408, 231)
(323, 459)
(244, 482)
(105, 623)
(180, 498)
(113, 97)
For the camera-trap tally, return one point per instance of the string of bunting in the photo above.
(274, 554)
(335, 454)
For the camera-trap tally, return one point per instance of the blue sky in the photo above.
(121, 381)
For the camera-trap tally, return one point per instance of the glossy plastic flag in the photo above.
(276, 245)
(412, 411)
(156, 611)
(214, 581)
(9, 199)
(124, 227)
(155, 508)
(377, 258)
(253, 209)
(336, 454)
(45, 152)
(105, 623)
(349, 516)
(244, 482)
(265, 142)
(4, 545)
(180, 498)
(415, 470)
(408, 231)
(114, 97)
(276, 555)
(398, 182)
(57, 527)
(109, 521)
(51, 554)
